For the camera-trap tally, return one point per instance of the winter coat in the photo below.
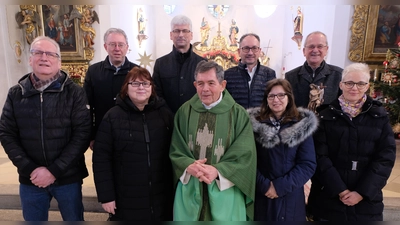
(287, 158)
(102, 84)
(329, 76)
(49, 128)
(174, 76)
(355, 154)
(131, 163)
(238, 84)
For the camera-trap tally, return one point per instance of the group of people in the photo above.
(193, 142)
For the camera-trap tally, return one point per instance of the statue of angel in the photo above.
(30, 20)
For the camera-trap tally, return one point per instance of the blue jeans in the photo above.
(35, 201)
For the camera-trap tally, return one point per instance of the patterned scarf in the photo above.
(41, 85)
(352, 109)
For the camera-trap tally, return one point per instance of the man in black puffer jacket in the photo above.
(45, 130)
(246, 82)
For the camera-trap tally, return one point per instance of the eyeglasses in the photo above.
(254, 49)
(350, 84)
(319, 47)
(137, 84)
(38, 53)
(113, 45)
(279, 95)
(177, 31)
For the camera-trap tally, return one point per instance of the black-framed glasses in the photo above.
(247, 49)
(279, 95)
(137, 84)
(319, 47)
(350, 84)
(39, 53)
(177, 31)
(113, 45)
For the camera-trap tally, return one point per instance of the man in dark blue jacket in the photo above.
(246, 82)
(104, 79)
(45, 131)
(174, 73)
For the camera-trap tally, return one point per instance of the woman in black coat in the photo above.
(356, 150)
(132, 170)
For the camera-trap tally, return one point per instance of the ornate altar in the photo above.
(220, 51)
(70, 26)
(224, 52)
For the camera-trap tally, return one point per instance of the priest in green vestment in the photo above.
(213, 153)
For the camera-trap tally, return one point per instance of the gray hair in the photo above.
(249, 34)
(204, 66)
(115, 30)
(316, 32)
(45, 38)
(181, 20)
(361, 68)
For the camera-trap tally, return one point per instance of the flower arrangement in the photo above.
(232, 56)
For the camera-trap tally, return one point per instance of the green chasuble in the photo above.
(223, 135)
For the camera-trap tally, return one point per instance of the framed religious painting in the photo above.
(375, 29)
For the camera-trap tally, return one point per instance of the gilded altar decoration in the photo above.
(76, 71)
(141, 27)
(220, 50)
(298, 28)
(29, 20)
(18, 51)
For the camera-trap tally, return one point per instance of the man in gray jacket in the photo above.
(315, 77)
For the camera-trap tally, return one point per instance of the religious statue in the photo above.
(141, 26)
(29, 19)
(298, 27)
(233, 31)
(316, 97)
(204, 32)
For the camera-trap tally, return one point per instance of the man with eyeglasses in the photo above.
(246, 82)
(104, 79)
(45, 131)
(174, 73)
(315, 72)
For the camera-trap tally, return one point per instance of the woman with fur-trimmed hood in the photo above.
(285, 154)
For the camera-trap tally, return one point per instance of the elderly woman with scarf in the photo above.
(355, 150)
(285, 154)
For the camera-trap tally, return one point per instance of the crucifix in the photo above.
(204, 139)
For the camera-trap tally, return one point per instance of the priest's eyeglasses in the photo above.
(279, 95)
(350, 84)
(137, 84)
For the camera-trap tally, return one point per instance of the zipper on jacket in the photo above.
(147, 140)
(42, 128)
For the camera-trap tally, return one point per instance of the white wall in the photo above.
(275, 31)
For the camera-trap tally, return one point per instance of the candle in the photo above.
(375, 74)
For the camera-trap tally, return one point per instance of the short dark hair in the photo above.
(204, 66)
(249, 34)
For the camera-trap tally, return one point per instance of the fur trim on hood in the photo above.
(269, 136)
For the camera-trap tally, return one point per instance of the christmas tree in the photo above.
(387, 89)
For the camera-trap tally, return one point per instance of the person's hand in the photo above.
(109, 207)
(42, 177)
(271, 193)
(195, 169)
(210, 173)
(343, 193)
(352, 198)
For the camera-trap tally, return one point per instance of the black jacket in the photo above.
(49, 128)
(102, 84)
(174, 76)
(355, 154)
(301, 77)
(131, 163)
(238, 84)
